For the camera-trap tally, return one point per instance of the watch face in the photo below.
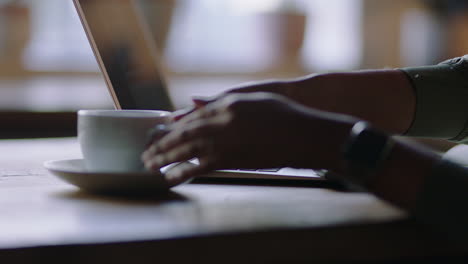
(366, 146)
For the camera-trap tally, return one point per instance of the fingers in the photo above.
(186, 171)
(203, 106)
(204, 112)
(193, 136)
(199, 102)
(179, 174)
(180, 153)
(157, 132)
(190, 133)
(179, 114)
(181, 144)
(200, 123)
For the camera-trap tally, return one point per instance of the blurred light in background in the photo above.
(210, 36)
(243, 7)
(250, 36)
(418, 28)
(334, 37)
(58, 41)
(46, 61)
(233, 35)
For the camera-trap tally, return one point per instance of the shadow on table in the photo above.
(125, 198)
(330, 184)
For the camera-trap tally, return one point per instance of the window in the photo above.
(210, 36)
(219, 43)
(58, 41)
(234, 35)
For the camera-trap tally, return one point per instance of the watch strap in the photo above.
(364, 151)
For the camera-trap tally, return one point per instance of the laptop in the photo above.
(127, 57)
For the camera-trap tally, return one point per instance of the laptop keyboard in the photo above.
(261, 170)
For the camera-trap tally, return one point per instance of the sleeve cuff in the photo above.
(442, 99)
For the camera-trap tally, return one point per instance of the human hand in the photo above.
(256, 130)
(272, 86)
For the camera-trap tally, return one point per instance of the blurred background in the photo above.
(47, 66)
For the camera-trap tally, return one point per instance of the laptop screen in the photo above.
(125, 52)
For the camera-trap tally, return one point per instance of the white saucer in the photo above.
(74, 172)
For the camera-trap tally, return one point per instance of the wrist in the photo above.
(364, 152)
(314, 91)
(330, 132)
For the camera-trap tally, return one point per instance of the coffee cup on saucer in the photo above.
(112, 141)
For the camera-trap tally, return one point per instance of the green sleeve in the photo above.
(441, 100)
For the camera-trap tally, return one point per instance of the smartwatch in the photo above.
(365, 149)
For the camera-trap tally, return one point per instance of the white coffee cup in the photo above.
(113, 140)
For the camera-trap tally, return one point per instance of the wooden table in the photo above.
(43, 219)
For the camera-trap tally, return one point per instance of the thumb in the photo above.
(201, 101)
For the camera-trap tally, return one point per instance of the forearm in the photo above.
(427, 101)
(383, 97)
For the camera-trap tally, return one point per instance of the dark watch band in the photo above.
(364, 150)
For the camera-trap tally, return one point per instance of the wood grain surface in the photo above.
(42, 217)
